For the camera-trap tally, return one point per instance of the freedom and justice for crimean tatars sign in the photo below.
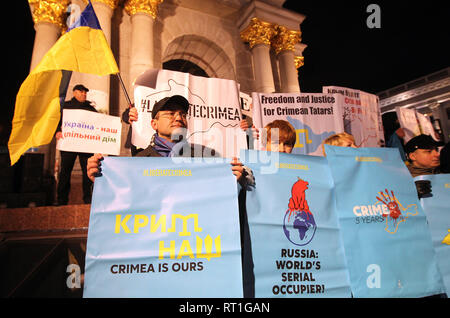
(314, 116)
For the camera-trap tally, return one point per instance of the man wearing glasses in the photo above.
(169, 122)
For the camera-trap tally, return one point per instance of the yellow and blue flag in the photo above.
(83, 48)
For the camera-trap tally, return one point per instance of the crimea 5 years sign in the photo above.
(154, 230)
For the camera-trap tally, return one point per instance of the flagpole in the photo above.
(124, 89)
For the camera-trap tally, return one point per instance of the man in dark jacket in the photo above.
(170, 123)
(423, 158)
(423, 155)
(68, 158)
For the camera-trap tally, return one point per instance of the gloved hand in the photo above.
(423, 188)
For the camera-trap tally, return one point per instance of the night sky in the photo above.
(342, 50)
(18, 39)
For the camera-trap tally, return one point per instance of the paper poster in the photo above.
(214, 113)
(150, 235)
(387, 242)
(99, 100)
(414, 123)
(426, 126)
(408, 121)
(294, 233)
(90, 132)
(314, 117)
(361, 115)
(437, 209)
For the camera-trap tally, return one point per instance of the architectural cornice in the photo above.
(285, 39)
(258, 32)
(51, 11)
(415, 93)
(110, 3)
(299, 61)
(149, 7)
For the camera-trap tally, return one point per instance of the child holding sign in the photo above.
(281, 136)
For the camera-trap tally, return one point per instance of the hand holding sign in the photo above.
(93, 166)
(133, 114)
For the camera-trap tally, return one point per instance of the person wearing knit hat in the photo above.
(423, 155)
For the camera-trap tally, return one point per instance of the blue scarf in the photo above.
(162, 146)
(166, 148)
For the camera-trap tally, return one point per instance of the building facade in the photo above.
(429, 95)
(255, 43)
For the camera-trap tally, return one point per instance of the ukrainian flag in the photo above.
(83, 48)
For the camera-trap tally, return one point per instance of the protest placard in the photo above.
(150, 235)
(437, 209)
(314, 117)
(294, 235)
(387, 242)
(214, 113)
(90, 132)
(361, 115)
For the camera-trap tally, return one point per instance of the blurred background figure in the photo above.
(423, 155)
(68, 158)
(341, 139)
(393, 133)
(445, 159)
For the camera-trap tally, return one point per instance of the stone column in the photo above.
(299, 61)
(48, 17)
(284, 45)
(99, 86)
(104, 10)
(143, 14)
(49, 21)
(258, 34)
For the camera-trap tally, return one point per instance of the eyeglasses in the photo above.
(172, 115)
